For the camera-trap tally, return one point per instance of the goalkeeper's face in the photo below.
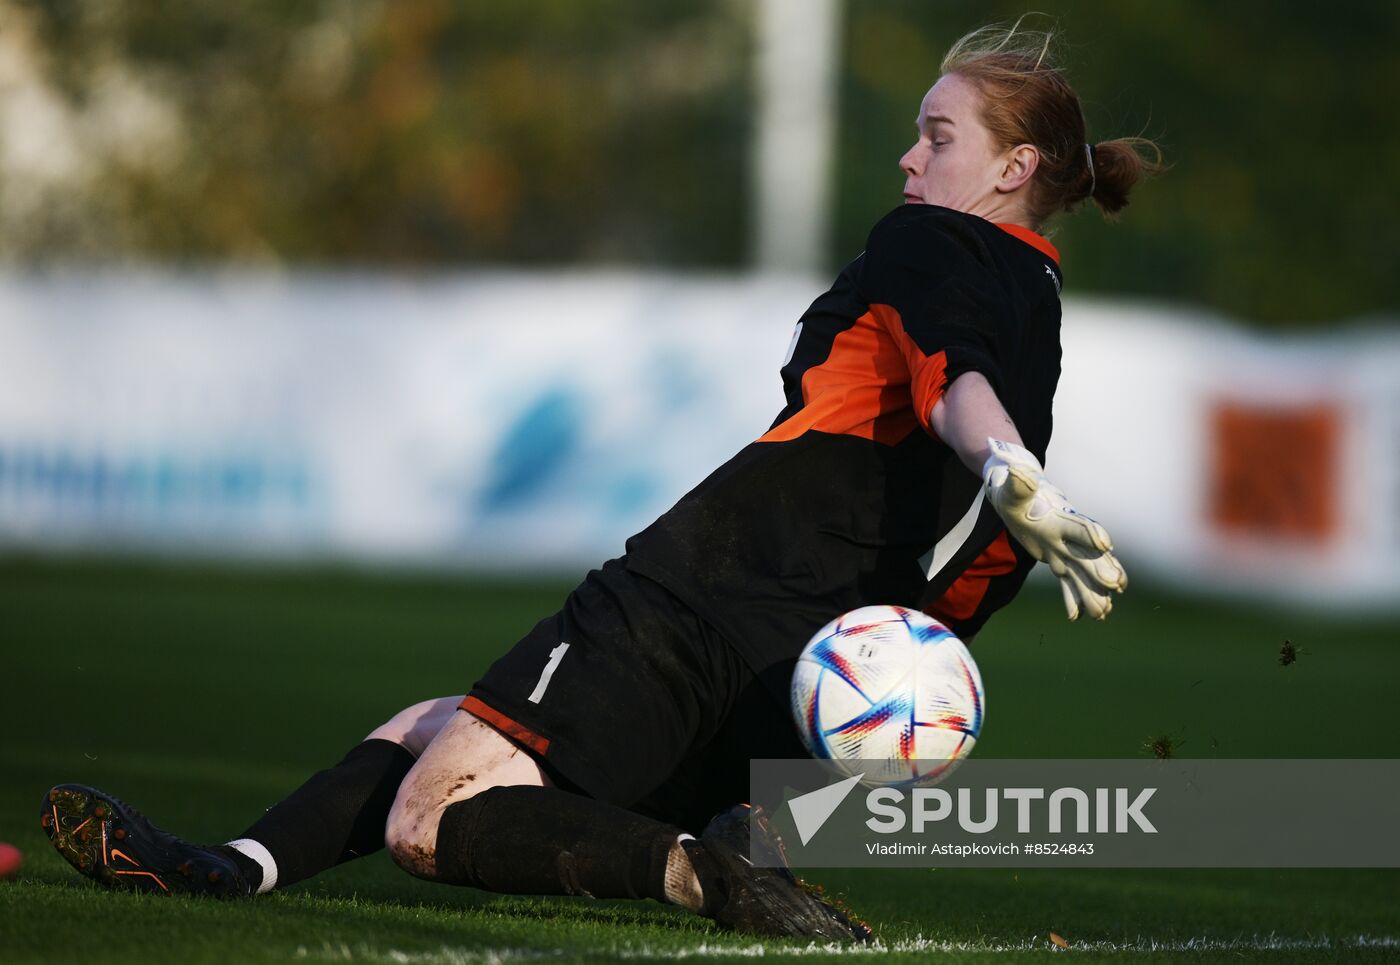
(955, 162)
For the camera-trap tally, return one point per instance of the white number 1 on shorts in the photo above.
(555, 656)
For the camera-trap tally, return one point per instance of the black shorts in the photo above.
(627, 696)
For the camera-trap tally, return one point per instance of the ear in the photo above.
(1018, 165)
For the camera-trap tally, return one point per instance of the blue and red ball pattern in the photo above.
(889, 693)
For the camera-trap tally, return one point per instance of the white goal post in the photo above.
(794, 150)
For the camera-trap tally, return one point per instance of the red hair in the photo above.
(1026, 100)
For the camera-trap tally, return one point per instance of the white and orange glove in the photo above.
(1037, 514)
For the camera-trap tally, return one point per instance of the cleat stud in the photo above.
(185, 868)
(53, 796)
(215, 877)
(85, 835)
(119, 834)
(45, 821)
(99, 812)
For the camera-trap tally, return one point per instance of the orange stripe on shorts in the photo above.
(515, 730)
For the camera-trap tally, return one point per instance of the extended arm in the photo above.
(970, 419)
(968, 416)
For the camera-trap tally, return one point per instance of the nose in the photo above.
(912, 163)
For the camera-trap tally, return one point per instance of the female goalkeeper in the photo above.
(905, 469)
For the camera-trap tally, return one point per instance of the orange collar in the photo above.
(1032, 239)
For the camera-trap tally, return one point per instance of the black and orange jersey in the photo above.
(849, 499)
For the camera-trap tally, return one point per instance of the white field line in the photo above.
(487, 956)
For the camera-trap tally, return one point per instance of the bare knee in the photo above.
(414, 727)
(411, 849)
(411, 838)
(465, 758)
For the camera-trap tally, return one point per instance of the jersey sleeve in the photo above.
(941, 304)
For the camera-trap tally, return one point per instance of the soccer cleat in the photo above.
(116, 846)
(761, 900)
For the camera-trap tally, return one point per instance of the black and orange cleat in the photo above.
(116, 846)
(758, 899)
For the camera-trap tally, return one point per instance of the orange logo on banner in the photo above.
(1274, 470)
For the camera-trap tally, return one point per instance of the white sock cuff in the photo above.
(684, 837)
(263, 857)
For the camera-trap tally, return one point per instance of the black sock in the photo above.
(338, 814)
(544, 841)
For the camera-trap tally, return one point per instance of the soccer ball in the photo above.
(888, 693)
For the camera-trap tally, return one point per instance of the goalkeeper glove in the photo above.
(1040, 518)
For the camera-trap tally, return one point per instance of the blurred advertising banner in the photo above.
(494, 420)
(522, 420)
(1234, 461)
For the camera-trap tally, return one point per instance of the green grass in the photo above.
(203, 694)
